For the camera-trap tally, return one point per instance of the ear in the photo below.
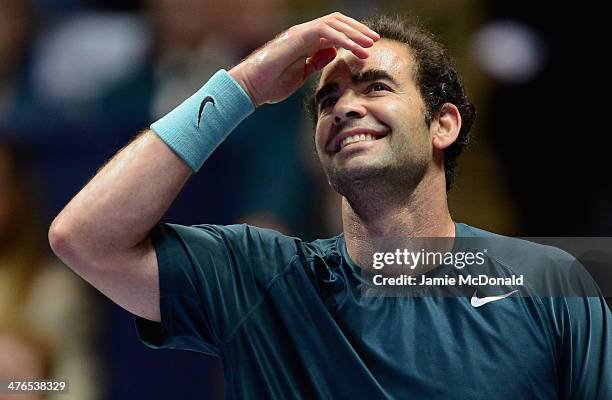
(446, 126)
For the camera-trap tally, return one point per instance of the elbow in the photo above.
(61, 240)
(67, 245)
(77, 248)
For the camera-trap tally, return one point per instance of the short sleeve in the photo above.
(584, 325)
(210, 277)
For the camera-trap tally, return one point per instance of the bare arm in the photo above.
(103, 233)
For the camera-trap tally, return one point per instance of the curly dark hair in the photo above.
(435, 75)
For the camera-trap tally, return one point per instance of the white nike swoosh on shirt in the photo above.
(481, 301)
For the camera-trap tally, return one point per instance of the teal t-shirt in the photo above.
(290, 320)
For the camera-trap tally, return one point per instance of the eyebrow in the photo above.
(365, 76)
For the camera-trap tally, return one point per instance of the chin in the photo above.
(346, 177)
(363, 166)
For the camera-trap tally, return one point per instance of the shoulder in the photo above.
(514, 250)
(549, 270)
(266, 240)
(245, 246)
(236, 236)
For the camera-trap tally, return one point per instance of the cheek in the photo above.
(389, 113)
(392, 114)
(404, 116)
(321, 127)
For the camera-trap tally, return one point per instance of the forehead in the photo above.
(390, 56)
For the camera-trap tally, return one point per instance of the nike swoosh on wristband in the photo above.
(207, 99)
(481, 301)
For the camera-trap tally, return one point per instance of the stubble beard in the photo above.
(380, 180)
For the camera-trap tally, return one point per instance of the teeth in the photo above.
(356, 138)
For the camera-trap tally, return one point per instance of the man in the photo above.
(289, 318)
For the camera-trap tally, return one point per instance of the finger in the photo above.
(324, 43)
(339, 39)
(356, 36)
(358, 26)
(319, 60)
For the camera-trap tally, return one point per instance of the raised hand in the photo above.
(276, 70)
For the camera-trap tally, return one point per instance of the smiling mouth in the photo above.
(354, 136)
(356, 139)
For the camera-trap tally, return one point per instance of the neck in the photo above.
(368, 217)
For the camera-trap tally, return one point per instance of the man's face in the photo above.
(374, 99)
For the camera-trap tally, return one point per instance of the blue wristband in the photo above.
(194, 129)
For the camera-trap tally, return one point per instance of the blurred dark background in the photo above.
(78, 79)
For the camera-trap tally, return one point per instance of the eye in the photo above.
(328, 102)
(377, 87)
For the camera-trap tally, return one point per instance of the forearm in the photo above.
(113, 214)
(116, 210)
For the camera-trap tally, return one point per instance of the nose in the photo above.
(348, 106)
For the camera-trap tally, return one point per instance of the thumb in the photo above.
(319, 60)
